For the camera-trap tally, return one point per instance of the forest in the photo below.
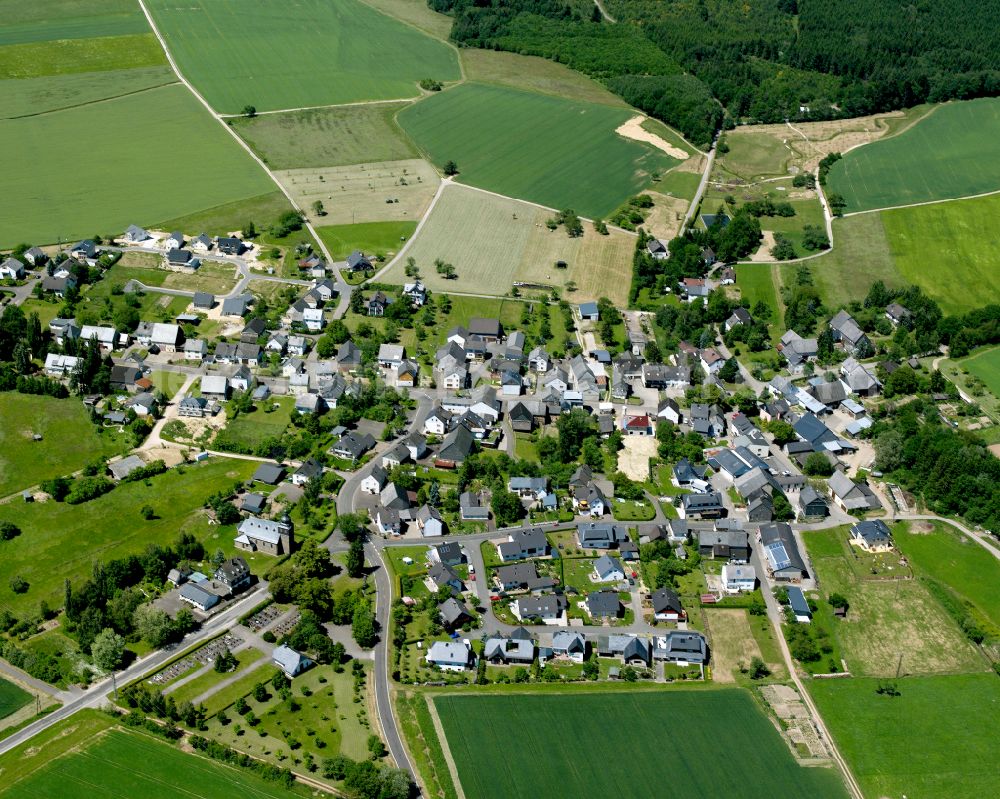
(685, 61)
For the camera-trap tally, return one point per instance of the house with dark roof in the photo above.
(522, 577)
(455, 448)
(781, 552)
(604, 605)
(800, 607)
(549, 608)
(234, 574)
(600, 535)
(702, 506)
(269, 474)
(683, 647)
(847, 332)
(444, 577)
(471, 507)
(230, 245)
(634, 650)
(520, 544)
(852, 496)
(811, 503)
(453, 613)
(450, 553)
(872, 535)
(358, 262)
(666, 605)
(353, 445)
(506, 651)
(731, 544)
(488, 329)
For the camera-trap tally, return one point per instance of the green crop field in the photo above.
(31, 96)
(933, 741)
(950, 558)
(947, 249)
(893, 624)
(986, 366)
(73, 56)
(953, 152)
(24, 462)
(126, 145)
(531, 146)
(653, 744)
(310, 53)
(322, 137)
(493, 241)
(12, 698)
(61, 541)
(105, 767)
(48, 20)
(369, 237)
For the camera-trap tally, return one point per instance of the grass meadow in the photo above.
(126, 145)
(893, 623)
(382, 238)
(61, 541)
(649, 744)
(12, 698)
(48, 20)
(531, 146)
(220, 220)
(986, 366)
(953, 152)
(756, 284)
(948, 249)
(493, 241)
(104, 766)
(25, 462)
(310, 53)
(323, 137)
(934, 741)
(73, 56)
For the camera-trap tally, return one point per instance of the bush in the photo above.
(9, 530)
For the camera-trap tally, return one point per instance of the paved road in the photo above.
(701, 186)
(94, 697)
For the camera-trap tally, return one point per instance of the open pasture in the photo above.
(48, 20)
(986, 366)
(392, 191)
(494, 241)
(31, 96)
(309, 53)
(124, 143)
(325, 137)
(532, 146)
(50, 547)
(948, 249)
(380, 238)
(553, 734)
(24, 462)
(104, 766)
(952, 152)
(934, 740)
(892, 624)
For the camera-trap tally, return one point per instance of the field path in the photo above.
(445, 749)
(604, 13)
(343, 288)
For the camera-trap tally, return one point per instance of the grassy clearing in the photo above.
(949, 557)
(25, 462)
(12, 698)
(948, 248)
(392, 191)
(222, 219)
(986, 366)
(679, 184)
(807, 212)
(953, 718)
(893, 623)
(315, 52)
(532, 73)
(494, 241)
(755, 155)
(732, 643)
(148, 128)
(383, 238)
(528, 145)
(756, 284)
(323, 137)
(417, 14)
(250, 429)
(30, 96)
(105, 767)
(537, 727)
(72, 56)
(46, 20)
(953, 152)
(49, 548)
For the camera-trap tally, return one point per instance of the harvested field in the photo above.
(494, 241)
(732, 643)
(665, 217)
(634, 129)
(633, 458)
(393, 191)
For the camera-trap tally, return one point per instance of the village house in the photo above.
(267, 536)
(872, 535)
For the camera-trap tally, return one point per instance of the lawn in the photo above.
(119, 764)
(372, 238)
(949, 557)
(51, 545)
(12, 698)
(46, 20)
(322, 137)
(494, 241)
(679, 184)
(756, 284)
(892, 624)
(936, 739)
(310, 53)
(143, 130)
(553, 737)
(948, 248)
(74, 56)
(986, 366)
(250, 429)
(25, 462)
(952, 152)
(31, 96)
(531, 146)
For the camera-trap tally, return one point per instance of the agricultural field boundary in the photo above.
(96, 102)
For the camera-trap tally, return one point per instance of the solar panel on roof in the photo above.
(778, 555)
